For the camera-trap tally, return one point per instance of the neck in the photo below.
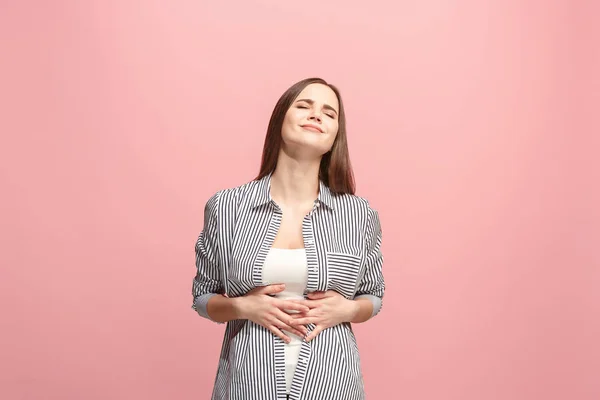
(295, 182)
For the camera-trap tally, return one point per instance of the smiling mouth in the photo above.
(312, 128)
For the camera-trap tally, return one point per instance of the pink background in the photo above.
(471, 130)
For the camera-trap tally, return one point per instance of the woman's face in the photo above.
(311, 122)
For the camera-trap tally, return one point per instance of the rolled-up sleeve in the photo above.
(207, 281)
(372, 284)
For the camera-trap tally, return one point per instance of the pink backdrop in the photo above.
(471, 130)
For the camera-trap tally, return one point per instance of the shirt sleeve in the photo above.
(372, 284)
(207, 281)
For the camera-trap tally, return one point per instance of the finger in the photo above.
(292, 305)
(277, 332)
(314, 333)
(289, 329)
(323, 295)
(294, 331)
(309, 303)
(271, 289)
(280, 320)
(299, 315)
(288, 322)
(315, 312)
(305, 321)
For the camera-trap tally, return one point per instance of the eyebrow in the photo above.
(309, 101)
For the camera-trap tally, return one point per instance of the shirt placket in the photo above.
(257, 278)
(312, 285)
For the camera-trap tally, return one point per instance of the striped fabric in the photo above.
(342, 238)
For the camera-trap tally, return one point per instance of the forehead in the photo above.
(320, 94)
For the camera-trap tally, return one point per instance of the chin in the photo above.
(307, 146)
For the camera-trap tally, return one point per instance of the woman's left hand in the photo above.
(327, 309)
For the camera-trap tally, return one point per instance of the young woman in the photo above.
(291, 259)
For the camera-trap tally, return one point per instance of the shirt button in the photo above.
(313, 269)
(303, 360)
(309, 241)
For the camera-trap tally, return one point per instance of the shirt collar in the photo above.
(263, 193)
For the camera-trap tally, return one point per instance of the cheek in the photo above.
(292, 116)
(333, 127)
(287, 126)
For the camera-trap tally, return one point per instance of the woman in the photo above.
(291, 259)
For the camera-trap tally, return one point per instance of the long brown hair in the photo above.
(335, 169)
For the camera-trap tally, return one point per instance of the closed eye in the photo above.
(329, 111)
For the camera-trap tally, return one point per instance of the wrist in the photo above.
(237, 304)
(354, 310)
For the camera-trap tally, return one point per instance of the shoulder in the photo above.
(360, 210)
(352, 203)
(232, 195)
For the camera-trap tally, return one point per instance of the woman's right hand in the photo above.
(261, 308)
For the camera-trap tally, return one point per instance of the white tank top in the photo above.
(288, 266)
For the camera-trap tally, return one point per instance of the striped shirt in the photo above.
(342, 238)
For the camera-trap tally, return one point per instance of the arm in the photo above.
(330, 308)
(223, 309)
(210, 299)
(207, 285)
(363, 310)
(370, 291)
(260, 307)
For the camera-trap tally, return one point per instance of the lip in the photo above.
(312, 127)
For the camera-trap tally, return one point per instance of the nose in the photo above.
(315, 116)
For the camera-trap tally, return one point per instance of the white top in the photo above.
(288, 266)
